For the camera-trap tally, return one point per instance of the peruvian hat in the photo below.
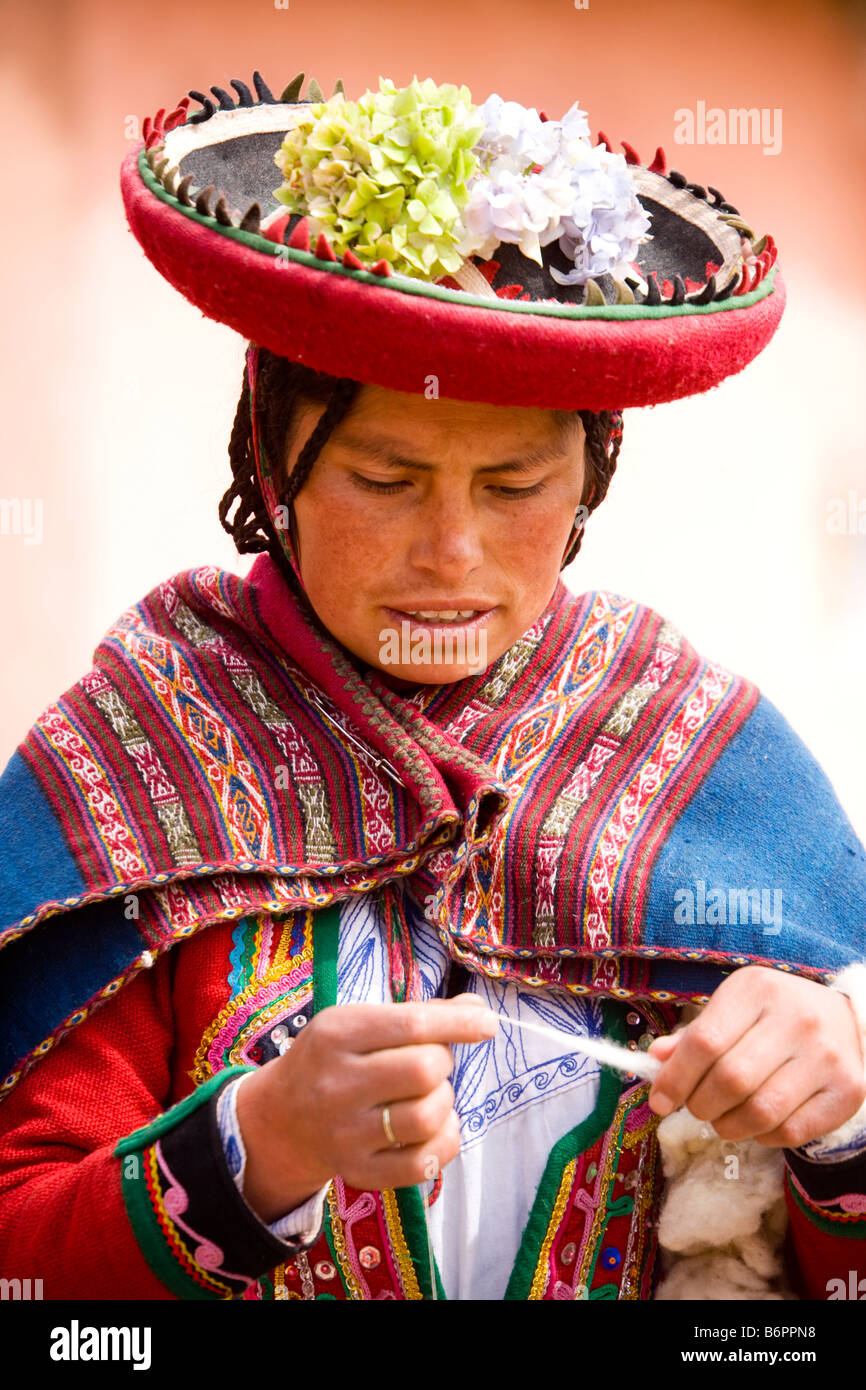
(412, 235)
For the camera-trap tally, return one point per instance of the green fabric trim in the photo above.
(413, 1218)
(326, 933)
(404, 284)
(148, 1232)
(851, 1230)
(576, 1142)
(248, 925)
(142, 1138)
(326, 930)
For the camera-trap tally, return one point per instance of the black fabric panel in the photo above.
(242, 168)
(678, 247)
(194, 1153)
(825, 1181)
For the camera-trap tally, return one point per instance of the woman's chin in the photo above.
(440, 673)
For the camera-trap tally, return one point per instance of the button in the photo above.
(591, 1172)
(568, 1253)
(324, 1270)
(279, 1034)
(633, 1018)
(630, 1179)
(645, 1040)
(300, 1020)
(369, 1257)
(611, 1257)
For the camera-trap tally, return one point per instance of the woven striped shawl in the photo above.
(601, 809)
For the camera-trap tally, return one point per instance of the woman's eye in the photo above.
(372, 486)
(515, 493)
(511, 493)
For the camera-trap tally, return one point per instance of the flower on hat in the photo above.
(420, 177)
(540, 181)
(386, 176)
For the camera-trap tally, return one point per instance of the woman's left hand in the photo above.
(772, 1057)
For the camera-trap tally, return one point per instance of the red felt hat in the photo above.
(361, 264)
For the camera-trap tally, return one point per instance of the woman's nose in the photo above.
(448, 539)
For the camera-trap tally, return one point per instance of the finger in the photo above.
(740, 1073)
(771, 1105)
(412, 1121)
(818, 1115)
(663, 1047)
(700, 1046)
(406, 1167)
(372, 1027)
(399, 1073)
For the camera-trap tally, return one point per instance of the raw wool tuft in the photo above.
(721, 1237)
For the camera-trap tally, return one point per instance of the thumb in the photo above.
(664, 1047)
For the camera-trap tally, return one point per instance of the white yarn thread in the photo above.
(610, 1054)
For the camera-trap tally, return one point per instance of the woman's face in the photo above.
(430, 532)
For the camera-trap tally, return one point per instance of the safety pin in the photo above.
(362, 748)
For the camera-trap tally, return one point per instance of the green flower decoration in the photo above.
(386, 176)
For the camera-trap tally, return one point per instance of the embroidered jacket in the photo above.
(114, 1184)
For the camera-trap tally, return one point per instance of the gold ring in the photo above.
(386, 1125)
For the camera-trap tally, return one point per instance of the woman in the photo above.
(408, 798)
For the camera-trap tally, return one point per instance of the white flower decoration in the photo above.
(543, 180)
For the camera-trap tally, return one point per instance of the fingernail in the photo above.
(489, 1024)
(660, 1103)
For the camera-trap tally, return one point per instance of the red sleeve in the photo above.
(827, 1237)
(62, 1213)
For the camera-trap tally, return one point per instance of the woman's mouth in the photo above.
(466, 617)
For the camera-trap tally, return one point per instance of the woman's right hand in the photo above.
(316, 1111)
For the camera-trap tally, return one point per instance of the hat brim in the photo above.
(401, 333)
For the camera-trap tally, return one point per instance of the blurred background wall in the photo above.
(741, 515)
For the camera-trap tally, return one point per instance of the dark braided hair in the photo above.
(603, 442)
(282, 385)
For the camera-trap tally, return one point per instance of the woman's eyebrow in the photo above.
(382, 451)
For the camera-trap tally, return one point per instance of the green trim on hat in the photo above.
(403, 284)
